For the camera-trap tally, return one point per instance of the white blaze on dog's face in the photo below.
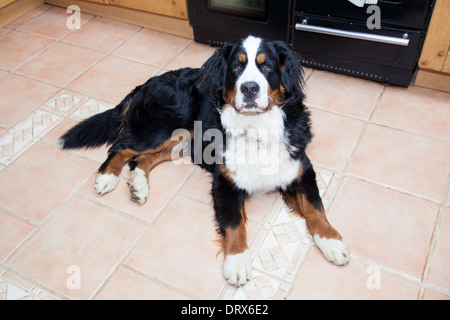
(251, 86)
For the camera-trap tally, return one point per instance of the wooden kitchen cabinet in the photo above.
(172, 8)
(168, 16)
(434, 62)
(4, 3)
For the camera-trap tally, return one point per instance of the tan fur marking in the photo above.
(156, 155)
(235, 240)
(316, 220)
(260, 58)
(229, 95)
(116, 164)
(229, 175)
(276, 97)
(242, 58)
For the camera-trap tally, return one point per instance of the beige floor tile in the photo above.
(439, 274)
(60, 64)
(113, 78)
(419, 110)
(51, 23)
(29, 15)
(194, 56)
(344, 94)
(77, 248)
(332, 146)
(127, 285)
(402, 160)
(101, 34)
(258, 207)
(180, 250)
(40, 180)
(319, 279)
(16, 48)
(152, 47)
(384, 226)
(430, 294)
(14, 105)
(13, 231)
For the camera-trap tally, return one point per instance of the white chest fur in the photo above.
(256, 152)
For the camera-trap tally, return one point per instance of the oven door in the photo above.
(349, 47)
(219, 21)
(406, 13)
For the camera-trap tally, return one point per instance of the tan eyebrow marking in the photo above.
(260, 58)
(242, 58)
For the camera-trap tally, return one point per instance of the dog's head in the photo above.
(253, 75)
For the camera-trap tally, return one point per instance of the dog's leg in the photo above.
(109, 172)
(304, 199)
(138, 179)
(231, 219)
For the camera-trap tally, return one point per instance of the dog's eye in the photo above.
(266, 68)
(237, 68)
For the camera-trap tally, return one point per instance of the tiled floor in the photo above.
(382, 155)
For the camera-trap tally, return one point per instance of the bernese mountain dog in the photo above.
(241, 116)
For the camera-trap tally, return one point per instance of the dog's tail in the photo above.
(100, 129)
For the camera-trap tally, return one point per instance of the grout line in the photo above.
(31, 281)
(44, 221)
(179, 53)
(343, 175)
(370, 122)
(434, 238)
(138, 240)
(363, 132)
(31, 17)
(105, 55)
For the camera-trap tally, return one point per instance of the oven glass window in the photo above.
(254, 9)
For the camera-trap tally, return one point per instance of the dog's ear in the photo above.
(291, 70)
(214, 70)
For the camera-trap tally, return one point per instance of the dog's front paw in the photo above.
(334, 250)
(138, 186)
(105, 182)
(237, 268)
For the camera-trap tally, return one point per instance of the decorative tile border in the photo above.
(91, 107)
(23, 135)
(13, 288)
(64, 103)
(281, 247)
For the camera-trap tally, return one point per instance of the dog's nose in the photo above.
(249, 89)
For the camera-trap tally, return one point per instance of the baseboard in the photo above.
(179, 27)
(433, 80)
(17, 9)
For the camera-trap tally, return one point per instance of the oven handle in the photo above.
(355, 35)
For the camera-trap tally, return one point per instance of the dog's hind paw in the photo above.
(138, 186)
(105, 182)
(334, 250)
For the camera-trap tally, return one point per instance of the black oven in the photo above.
(218, 21)
(328, 34)
(341, 37)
